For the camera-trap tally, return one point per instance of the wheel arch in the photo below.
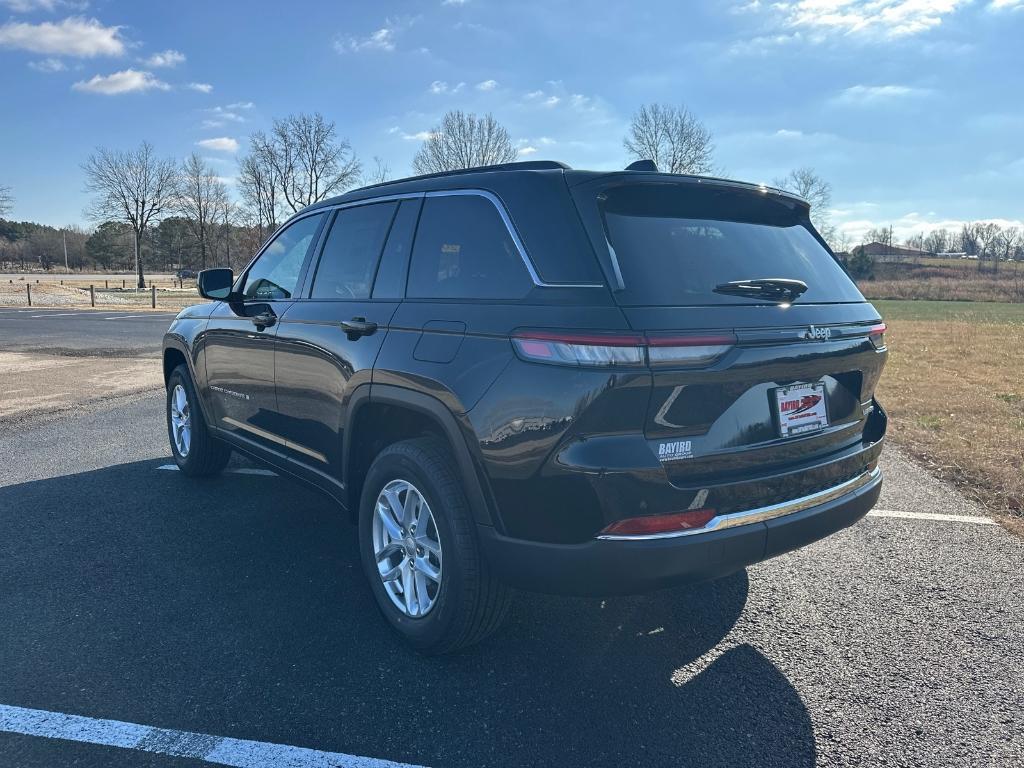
(365, 435)
(176, 352)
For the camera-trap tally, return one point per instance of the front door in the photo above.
(239, 341)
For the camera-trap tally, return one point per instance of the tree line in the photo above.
(153, 212)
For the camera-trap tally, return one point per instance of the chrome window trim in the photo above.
(760, 514)
(490, 196)
(500, 208)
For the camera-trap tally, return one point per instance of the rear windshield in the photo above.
(673, 244)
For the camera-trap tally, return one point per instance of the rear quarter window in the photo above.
(673, 244)
(463, 250)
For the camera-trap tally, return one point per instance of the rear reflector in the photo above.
(654, 524)
(621, 349)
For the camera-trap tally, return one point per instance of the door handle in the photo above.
(358, 326)
(264, 319)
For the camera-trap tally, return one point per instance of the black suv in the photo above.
(530, 376)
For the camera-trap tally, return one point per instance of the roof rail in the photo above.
(524, 165)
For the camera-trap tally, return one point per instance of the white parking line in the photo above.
(129, 317)
(219, 750)
(237, 471)
(937, 516)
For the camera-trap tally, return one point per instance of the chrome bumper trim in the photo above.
(760, 514)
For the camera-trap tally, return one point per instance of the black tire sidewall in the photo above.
(406, 464)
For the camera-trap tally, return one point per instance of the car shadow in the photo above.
(237, 606)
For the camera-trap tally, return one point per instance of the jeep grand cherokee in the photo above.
(537, 377)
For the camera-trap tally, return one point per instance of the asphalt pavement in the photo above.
(83, 332)
(229, 617)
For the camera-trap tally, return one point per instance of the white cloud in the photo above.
(418, 136)
(201, 87)
(1006, 5)
(74, 36)
(221, 116)
(861, 95)
(453, 2)
(440, 86)
(863, 19)
(487, 85)
(219, 144)
(382, 39)
(126, 81)
(907, 224)
(534, 94)
(551, 101)
(168, 58)
(527, 150)
(48, 65)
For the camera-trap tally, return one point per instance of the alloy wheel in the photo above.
(407, 548)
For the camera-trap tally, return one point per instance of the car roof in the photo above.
(495, 177)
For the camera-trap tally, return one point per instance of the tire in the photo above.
(201, 455)
(467, 603)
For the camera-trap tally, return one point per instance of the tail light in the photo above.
(877, 335)
(621, 349)
(654, 525)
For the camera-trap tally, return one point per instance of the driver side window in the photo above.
(275, 274)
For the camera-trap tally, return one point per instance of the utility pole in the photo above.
(64, 232)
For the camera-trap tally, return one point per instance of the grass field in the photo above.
(945, 280)
(954, 388)
(73, 293)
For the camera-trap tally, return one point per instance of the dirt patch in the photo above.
(37, 384)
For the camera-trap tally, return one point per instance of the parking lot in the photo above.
(232, 614)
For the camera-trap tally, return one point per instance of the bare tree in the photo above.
(1010, 240)
(202, 198)
(937, 241)
(672, 137)
(464, 141)
(135, 187)
(309, 162)
(6, 200)
(380, 173)
(806, 183)
(258, 185)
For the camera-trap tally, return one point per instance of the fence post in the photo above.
(28, 287)
(106, 283)
(122, 285)
(154, 296)
(92, 296)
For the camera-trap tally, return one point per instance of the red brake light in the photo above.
(618, 349)
(652, 525)
(589, 349)
(877, 335)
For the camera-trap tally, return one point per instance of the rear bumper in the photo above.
(632, 565)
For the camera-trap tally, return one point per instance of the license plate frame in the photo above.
(800, 409)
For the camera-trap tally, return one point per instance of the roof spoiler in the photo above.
(642, 165)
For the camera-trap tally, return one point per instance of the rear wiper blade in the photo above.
(764, 287)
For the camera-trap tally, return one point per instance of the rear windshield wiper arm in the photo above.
(774, 288)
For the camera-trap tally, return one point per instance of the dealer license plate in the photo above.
(800, 408)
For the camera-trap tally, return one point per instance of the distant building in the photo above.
(885, 252)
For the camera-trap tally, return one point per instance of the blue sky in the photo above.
(912, 109)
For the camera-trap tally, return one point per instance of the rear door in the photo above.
(742, 385)
(328, 340)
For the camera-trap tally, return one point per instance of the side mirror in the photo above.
(215, 283)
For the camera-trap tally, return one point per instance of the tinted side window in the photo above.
(464, 251)
(350, 254)
(276, 272)
(390, 282)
